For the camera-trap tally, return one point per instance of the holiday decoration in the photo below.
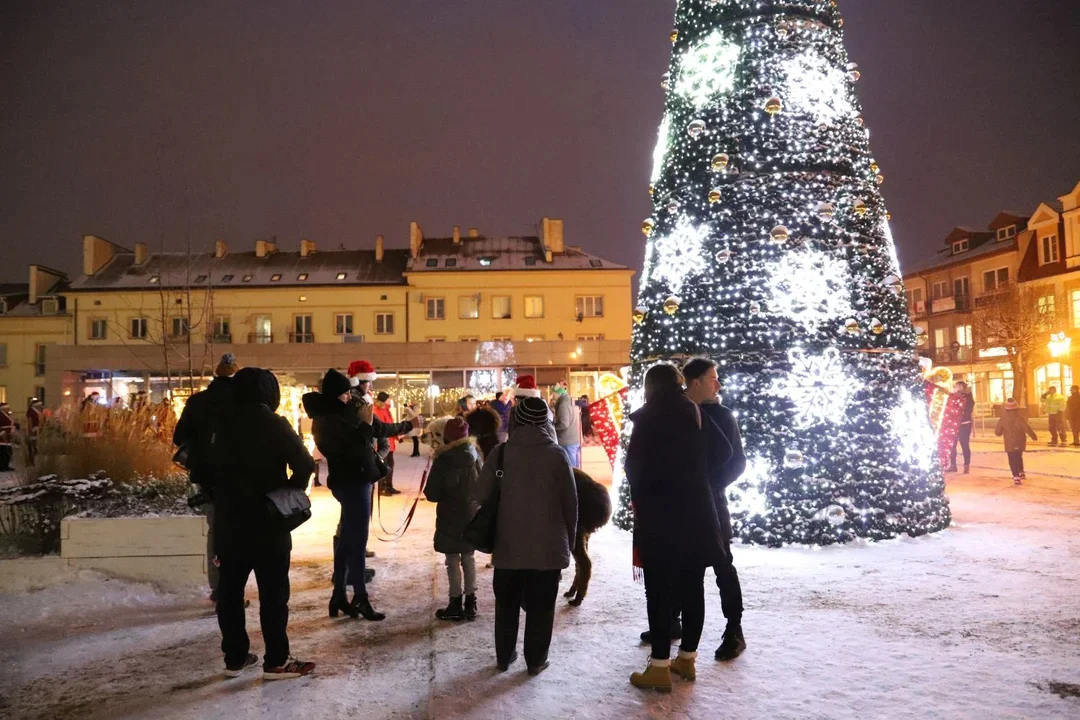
(774, 257)
(607, 418)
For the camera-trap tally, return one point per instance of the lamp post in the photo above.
(1059, 345)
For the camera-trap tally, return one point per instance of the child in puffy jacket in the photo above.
(1014, 430)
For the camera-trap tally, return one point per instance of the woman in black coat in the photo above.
(677, 534)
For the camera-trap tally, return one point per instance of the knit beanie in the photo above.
(334, 383)
(530, 411)
(455, 429)
(227, 367)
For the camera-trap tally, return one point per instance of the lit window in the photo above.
(1075, 297)
(534, 338)
(587, 338)
(590, 306)
(247, 278)
(468, 307)
(275, 277)
(1048, 250)
(303, 298)
(534, 306)
(486, 261)
(154, 279)
(436, 339)
(302, 276)
(436, 308)
(501, 307)
(342, 276)
(468, 338)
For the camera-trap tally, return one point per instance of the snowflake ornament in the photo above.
(708, 69)
(679, 255)
(810, 287)
(818, 386)
(814, 87)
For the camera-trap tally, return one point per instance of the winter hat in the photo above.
(1011, 404)
(227, 367)
(455, 429)
(526, 387)
(334, 383)
(531, 411)
(362, 370)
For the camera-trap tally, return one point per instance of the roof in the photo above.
(507, 253)
(325, 267)
(945, 258)
(14, 289)
(17, 298)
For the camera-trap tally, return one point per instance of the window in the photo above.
(590, 306)
(1056, 374)
(596, 263)
(154, 279)
(451, 262)
(3, 356)
(138, 328)
(302, 329)
(436, 339)
(534, 306)
(534, 338)
(1000, 386)
(247, 278)
(941, 338)
(180, 327)
(39, 393)
(486, 261)
(960, 246)
(432, 262)
(961, 287)
(995, 279)
(98, 328)
(501, 307)
(963, 335)
(530, 261)
(200, 278)
(3, 394)
(275, 277)
(3, 306)
(1075, 298)
(302, 277)
(222, 329)
(227, 278)
(342, 276)
(587, 338)
(939, 290)
(468, 307)
(501, 338)
(1047, 311)
(263, 333)
(1006, 232)
(436, 308)
(343, 324)
(39, 360)
(1048, 250)
(468, 338)
(384, 323)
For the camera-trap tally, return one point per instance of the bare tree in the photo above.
(1012, 319)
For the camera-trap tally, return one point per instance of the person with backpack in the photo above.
(252, 450)
(1014, 430)
(535, 528)
(451, 482)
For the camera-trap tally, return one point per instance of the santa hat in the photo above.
(361, 370)
(526, 387)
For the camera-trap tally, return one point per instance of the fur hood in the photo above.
(449, 447)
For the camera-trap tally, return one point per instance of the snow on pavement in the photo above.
(982, 620)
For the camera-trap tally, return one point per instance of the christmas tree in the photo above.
(769, 251)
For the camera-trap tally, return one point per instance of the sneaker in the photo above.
(234, 671)
(292, 668)
(655, 677)
(732, 646)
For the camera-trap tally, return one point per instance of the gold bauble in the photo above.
(639, 316)
(696, 128)
(647, 227)
(652, 190)
(888, 216)
(714, 196)
(774, 106)
(877, 327)
(720, 162)
(922, 340)
(671, 305)
(874, 167)
(852, 326)
(674, 36)
(825, 210)
(779, 234)
(860, 207)
(880, 179)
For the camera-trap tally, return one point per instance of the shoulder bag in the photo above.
(289, 507)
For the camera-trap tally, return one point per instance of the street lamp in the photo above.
(1059, 344)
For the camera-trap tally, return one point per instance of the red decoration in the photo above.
(945, 412)
(607, 417)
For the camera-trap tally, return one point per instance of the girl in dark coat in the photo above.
(484, 423)
(453, 477)
(677, 534)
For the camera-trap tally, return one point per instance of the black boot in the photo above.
(676, 632)
(470, 607)
(453, 611)
(362, 607)
(339, 603)
(733, 644)
(369, 575)
(967, 469)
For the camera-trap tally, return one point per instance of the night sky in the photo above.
(340, 120)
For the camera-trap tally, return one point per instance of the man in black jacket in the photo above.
(194, 430)
(253, 449)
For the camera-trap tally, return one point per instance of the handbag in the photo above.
(480, 532)
(289, 507)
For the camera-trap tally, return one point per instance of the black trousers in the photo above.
(1016, 462)
(727, 582)
(416, 446)
(670, 586)
(350, 552)
(536, 591)
(387, 483)
(5, 457)
(270, 561)
(964, 439)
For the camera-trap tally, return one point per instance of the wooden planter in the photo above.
(165, 550)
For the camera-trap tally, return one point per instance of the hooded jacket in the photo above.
(567, 421)
(197, 425)
(452, 483)
(254, 449)
(1014, 429)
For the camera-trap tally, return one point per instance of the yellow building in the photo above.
(33, 321)
(456, 312)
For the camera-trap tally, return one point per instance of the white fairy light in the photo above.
(679, 255)
(810, 287)
(708, 69)
(818, 386)
(660, 151)
(813, 86)
(912, 431)
(748, 494)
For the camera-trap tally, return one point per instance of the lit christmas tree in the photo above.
(769, 251)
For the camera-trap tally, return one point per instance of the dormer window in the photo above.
(596, 263)
(154, 279)
(3, 307)
(1048, 250)
(530, 261)
(247, 278)
(342, 276)
(1006, 232)
(302, 276)
(432, 262)
(486, 261)
(275, 277)
(200, 278)
(960, 246)
(226, 278)
(451, 262)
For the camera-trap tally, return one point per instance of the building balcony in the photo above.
(221, 339)
(952, 303)
(260, 338)
(946, 356)
(302, 338)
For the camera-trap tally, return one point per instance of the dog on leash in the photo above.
(594, 512)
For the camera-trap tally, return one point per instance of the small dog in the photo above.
(594, 512)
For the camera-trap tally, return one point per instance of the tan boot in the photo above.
(683, 666)
(657, 676)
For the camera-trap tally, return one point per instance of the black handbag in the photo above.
(290, 507)
(480, 532)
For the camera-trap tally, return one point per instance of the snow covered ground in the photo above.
(980, 621)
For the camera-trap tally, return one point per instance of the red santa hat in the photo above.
(361, 370)
(526, 387)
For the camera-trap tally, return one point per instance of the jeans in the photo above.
(270, 561)
(456, 564)
(1057, 428)
(964, 439)
(668, 586)
(350, 560)
(574, 453)
(538, 589)
(1016, 462)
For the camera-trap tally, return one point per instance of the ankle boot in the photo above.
(453, 611)
(967, 469)
(470, 607)
(657, 676)
(339, 603)
(683, 665)
(362, 607)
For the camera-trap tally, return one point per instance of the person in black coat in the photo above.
(677, 531)
(252, 451)
(345, 434)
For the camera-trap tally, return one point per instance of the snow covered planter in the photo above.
(166, 550)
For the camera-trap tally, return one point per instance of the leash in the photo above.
(404, 526)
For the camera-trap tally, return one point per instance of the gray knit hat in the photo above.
(530, 411)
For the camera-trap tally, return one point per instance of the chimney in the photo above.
(553, 236)
(262, 248)
(97, 252)
(140, 253)
(474, 233)
(457, 234)
(380, 248)
(221, 249)
(42, 281)
(416, 239)
(307, 247)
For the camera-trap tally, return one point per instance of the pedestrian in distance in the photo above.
(502, 405)
(1014, 430)
(536, 527)
(253, 449)
(677, 532)
(413, 413)
(7, 437)
(385, 416)
(568, 424)
(963, 436)
(1072, 413)
(451, 484)
(1055, 412)
(586, 417)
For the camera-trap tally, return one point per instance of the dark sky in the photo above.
(343, 119)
